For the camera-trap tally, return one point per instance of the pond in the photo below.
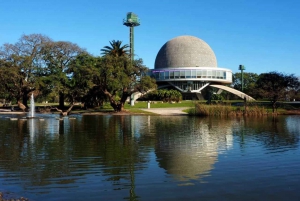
(112, 157)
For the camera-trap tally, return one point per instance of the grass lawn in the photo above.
(284, 108)
(157, 104)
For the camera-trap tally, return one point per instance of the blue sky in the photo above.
(263, 35)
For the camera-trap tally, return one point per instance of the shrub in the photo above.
(226, 110)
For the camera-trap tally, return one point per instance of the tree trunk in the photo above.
(123, 99)
(25, 99)
(61, 100)
(118, 107)
(66, 113)
(22, 106)
(114, 105)
(112, 101)
(121, 107)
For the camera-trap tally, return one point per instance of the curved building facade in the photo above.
(188, 64)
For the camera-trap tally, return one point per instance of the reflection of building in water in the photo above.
(292, 124)
(189, 147)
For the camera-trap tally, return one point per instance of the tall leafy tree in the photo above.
(249, 80)
(83, 79)
(57, 57)
(275, 86)
(11, 79)
(120, 77)
(116, 49)
(23, 61)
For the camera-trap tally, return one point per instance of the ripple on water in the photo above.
(115, 157)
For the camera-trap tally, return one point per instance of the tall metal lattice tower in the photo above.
(131, 21)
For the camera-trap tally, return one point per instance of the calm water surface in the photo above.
(150, 158)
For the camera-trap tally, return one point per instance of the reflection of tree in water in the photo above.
(116, 143)
(273, 131)
(107, 143)
(120, 147)
(32, 158)
(117, 147)
(189, 152)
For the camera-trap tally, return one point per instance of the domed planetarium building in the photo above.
(188, 64)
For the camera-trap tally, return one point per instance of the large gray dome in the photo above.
(185, 51)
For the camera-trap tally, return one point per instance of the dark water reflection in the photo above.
(150, 158)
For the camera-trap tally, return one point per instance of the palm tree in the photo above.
(115, 49)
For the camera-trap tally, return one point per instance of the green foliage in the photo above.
(50, 69)
(10, 81)
(22, 64)
(115, 74)
(249, 80)
(57, 57)
(120, 77)
(84, 76)
(36, 64)
(276, 86)
(164, 95)
(217, 97)
(145, 84)
(116, 49)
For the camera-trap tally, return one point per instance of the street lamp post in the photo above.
(242, 68)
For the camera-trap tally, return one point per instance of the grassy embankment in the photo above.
(106, 108)
(198, 108)
(227, 108)
(238, 109)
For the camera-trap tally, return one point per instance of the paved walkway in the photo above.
(167, 111)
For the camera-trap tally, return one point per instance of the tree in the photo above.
(120, 77)
(275, 86)
(145, 84)
(22, 61)
(36, 64)
(57, 57)
(116, 49)
(10, 78)
(81, 85)
(249, 80)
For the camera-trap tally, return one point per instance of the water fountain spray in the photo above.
(32, 107)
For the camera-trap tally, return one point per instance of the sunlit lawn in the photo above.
(159, 104)
(138, 105)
